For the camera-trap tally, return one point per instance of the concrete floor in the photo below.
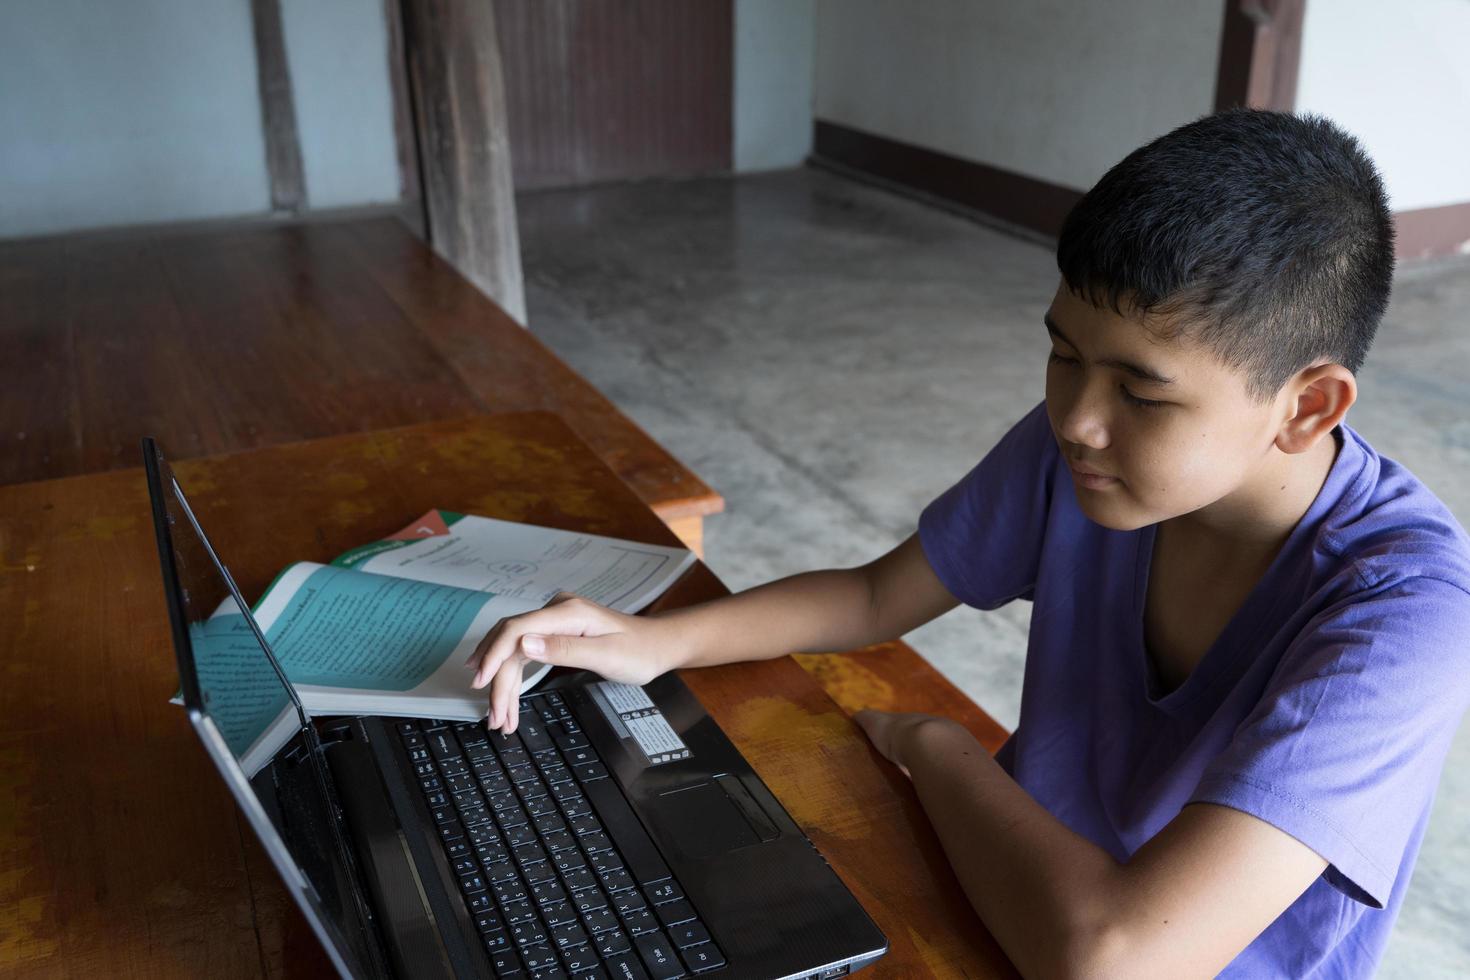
(830, 357)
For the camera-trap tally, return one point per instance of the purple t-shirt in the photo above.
(1325, 707)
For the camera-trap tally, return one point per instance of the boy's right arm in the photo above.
(832, 609)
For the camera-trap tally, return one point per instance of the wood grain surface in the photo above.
(232, 337)
(123, 853)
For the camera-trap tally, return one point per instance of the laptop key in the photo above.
(483, 834)
(517, 912)
(581, 756)
(600, 920)
(606, 861)
(555, 775)
(558, 912)
(539, 872)
(587, 824)
(480, 902)
(673, 913)
(541, 807)
(495, 940)
(547, 892)
(549, 973)
(464, 865)
(565, 792)
(534, 735)
(451, 831)
(500, 871)
(568, 742)
(625, 968)
(529, 853)
(658, 955)
(492, 853)
(579, 879)
(539, 957)
(663, 891)
(559, 841)
(688, 934)
(505, 963)
(626, 903)
(471, 883)
(613, 942)
(580, 958)
(488, 921)
(702, 958)
(407, 727)
(617, 881)
(568, 934)
(569, 860)
(444, 746)
(510, 891)
(528, 933)
(520, 834)
(589, 771)
(592, 843)
(588, 899)
(640, 922)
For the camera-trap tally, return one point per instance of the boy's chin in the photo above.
(1115, 513)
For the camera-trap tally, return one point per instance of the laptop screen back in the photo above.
(254, 730)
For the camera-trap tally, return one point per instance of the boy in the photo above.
(1247, 653)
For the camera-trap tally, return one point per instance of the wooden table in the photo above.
(122, 852)
(231, 336)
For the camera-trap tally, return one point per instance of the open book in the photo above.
(385, 628)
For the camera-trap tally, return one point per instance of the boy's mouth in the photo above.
(1090, 478)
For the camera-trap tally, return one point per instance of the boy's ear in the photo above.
(1319, 398)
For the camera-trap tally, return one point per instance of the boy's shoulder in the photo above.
(1386, 526)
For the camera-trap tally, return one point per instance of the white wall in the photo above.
(1059, 90)
(338, 55)
(116, 113)
(775, 43)
(146, 111)
(1398, 78)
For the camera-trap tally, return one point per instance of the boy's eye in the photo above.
(1133, 399)
(1056, 358)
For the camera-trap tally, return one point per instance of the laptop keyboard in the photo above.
(558, 873)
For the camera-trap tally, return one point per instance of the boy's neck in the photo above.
(1251, 524)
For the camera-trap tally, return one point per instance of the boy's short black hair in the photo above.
(1267, 235)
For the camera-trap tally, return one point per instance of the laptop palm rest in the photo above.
(711, 817)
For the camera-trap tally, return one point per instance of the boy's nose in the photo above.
(1084, 423)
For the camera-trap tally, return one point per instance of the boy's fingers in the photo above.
(498, 683)
(483, 647)
(587, 652)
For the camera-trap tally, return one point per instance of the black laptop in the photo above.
(616, 833)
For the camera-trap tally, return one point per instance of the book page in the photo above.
(523, 562)
(242, 694)
(343, 628)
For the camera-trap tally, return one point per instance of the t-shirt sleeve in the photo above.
(1344, 750)
(983, 536)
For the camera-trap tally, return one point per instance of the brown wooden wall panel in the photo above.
(616, 89)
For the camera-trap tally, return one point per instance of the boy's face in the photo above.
(1171, 428)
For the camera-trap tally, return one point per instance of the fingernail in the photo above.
(533, 646)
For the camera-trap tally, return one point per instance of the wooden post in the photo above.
(277, 110)
(464, 143)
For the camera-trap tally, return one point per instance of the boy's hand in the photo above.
(568, 631)
(892, 732)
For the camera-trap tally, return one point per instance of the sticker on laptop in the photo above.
(633, 715)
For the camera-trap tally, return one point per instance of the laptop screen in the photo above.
(254, 730)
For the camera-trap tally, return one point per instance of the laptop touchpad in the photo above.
(711, 817)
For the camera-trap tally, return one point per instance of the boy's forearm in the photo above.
(1039, 888)
(813, 612)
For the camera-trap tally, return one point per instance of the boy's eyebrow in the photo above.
(1139, 371)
